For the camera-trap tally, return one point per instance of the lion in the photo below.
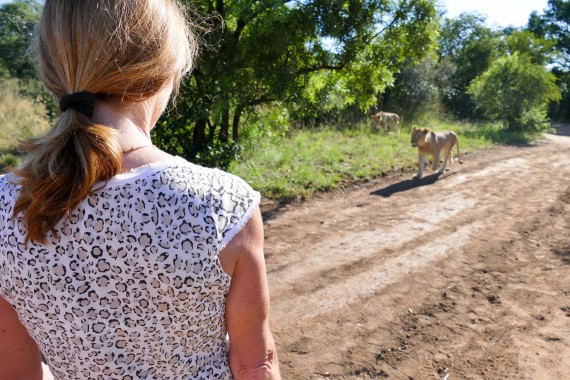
(434, 144)
(387, 120)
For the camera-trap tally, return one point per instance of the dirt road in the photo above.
(461, 277)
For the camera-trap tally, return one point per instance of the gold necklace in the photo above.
(129, 150)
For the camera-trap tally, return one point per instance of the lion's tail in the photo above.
(458, 156)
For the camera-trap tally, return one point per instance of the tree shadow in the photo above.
(272, 211)
(409, 184)
(505, 136)
(502, 136)
(562, 129)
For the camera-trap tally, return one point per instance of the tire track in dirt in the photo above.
(332, 262)
(367, 247)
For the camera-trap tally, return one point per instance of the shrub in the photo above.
(515, 90)
(20, 117)
(8, 162)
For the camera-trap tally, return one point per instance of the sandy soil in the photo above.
(464, 276)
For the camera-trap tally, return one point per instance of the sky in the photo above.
(499, 13)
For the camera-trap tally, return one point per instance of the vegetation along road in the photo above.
(463, 277)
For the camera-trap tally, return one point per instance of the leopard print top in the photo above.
(130, 285)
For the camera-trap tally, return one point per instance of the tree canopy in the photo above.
(278, 63)
(516, 91)
(271, 50)
(469, 46)
(554, 25)
(17, 22)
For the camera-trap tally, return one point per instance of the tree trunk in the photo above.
(211, 131)
(187, 145)
(224, 135)
(235, 123)
(199, 136)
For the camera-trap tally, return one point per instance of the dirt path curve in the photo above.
(463, 277)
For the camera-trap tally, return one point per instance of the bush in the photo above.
(533, 120)
(8, 162)
(20, 117)
(515, 90)
(219, 155)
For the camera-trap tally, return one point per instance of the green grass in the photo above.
(20, 118)
(316, 160)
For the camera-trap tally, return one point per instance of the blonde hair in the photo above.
(116, 49)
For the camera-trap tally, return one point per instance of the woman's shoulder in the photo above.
(225, 183)
(176, 174)
(220, 181)
(158, 174)
(216, 180)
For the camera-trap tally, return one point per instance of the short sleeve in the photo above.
(233, 204)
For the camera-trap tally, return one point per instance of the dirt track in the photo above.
(461, 277)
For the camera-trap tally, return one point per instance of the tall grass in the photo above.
(321, 159)
(20, 118)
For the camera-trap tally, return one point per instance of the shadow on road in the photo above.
(409, 184)
(561, 129)
(272, 210)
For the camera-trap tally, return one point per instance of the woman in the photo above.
(117, 260)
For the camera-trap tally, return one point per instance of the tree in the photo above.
(416, 88)
(17, 22)
(515, 91)
(270, 51)
(540, 50)
(554, 25)
(468, 45)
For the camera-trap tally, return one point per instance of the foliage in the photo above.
(515, 91)
(20, 117)
(8, 162)
(219, 155)
(561, 110)
(540, 50)
(272, 51)
(17, 22)
(417, 89)
(498, 135)
(554, 25)
(467, 47)
(266, 121)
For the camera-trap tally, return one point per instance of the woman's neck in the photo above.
(133, 121)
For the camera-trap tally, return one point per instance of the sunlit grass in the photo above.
(315, 160)
(20, 118)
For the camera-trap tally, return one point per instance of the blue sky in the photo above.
(499, 12)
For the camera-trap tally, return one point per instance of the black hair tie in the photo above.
(83, 102)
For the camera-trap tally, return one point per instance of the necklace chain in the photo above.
(129, 150)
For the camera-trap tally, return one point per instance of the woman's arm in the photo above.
(20, 356)
(252, 349)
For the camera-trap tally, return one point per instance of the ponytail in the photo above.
(61, 168)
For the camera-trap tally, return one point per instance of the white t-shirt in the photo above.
(130, 286)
